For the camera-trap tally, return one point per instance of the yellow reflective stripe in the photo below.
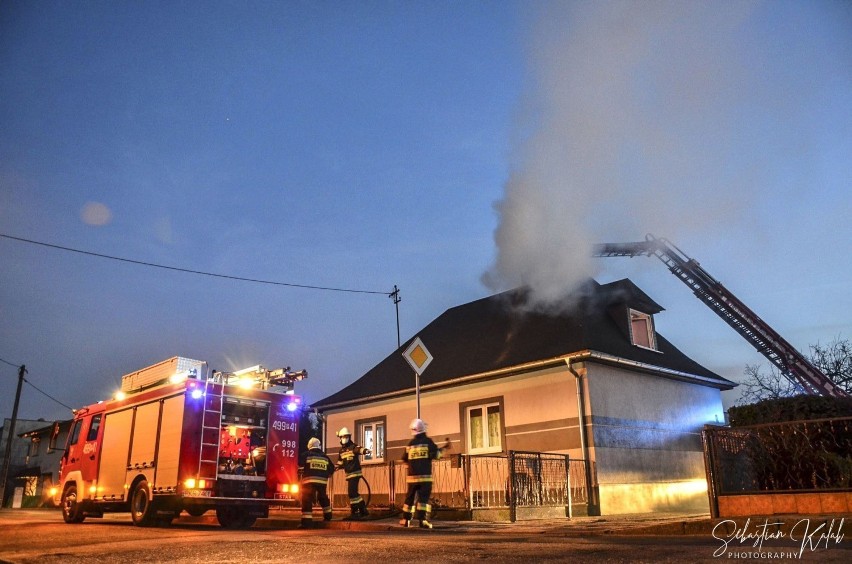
(418, 479)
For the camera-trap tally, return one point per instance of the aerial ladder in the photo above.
(735, 313)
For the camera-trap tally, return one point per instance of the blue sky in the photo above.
(453, 149)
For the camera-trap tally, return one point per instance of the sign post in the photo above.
(418, 357)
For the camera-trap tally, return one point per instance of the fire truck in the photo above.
(181, 437)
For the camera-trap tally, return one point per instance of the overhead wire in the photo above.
(9, 363)
(42, 392)
(199, 272)
(36, 388)
(393, 293)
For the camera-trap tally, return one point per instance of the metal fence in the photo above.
(780, 457)
(477, 482)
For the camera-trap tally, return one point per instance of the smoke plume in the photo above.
(644, 117)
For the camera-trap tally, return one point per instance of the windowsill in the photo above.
(648, 348)
(498, 450)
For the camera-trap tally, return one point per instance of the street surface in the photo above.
(42, 537)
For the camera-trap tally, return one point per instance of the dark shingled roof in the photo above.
(496, 332)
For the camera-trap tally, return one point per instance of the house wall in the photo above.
(539, 413)
(20, 448)
(47, 461)
(646, 432)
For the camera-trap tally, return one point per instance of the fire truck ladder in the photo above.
(735, 313)
(211, 426)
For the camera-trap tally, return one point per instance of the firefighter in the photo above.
(316, 470)
(419, 454)
(348, 459)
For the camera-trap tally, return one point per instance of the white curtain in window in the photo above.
(379, 452)
(476, 434)
(494, 426)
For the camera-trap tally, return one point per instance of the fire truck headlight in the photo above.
(196, 394)
(189, 483)
(53, 492)
(294, 488)
(292, 406)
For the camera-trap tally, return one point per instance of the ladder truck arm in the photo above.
(734, 312)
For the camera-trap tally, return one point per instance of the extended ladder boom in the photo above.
(735, 313)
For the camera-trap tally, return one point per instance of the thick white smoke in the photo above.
(644, 116)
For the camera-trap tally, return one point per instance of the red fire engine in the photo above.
(182, 437)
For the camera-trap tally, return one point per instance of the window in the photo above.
(93, 429)
(642, 330)
(33, 451)
(54, 435)
(484, 427)
(372, 437)
(75, 432)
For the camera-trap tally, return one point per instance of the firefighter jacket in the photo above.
(316, 467)
(419, 454)
(347, 457)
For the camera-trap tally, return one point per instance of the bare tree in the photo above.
(833, 359)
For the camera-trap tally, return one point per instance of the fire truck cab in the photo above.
(180, 437)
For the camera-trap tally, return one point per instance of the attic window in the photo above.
(642, 330)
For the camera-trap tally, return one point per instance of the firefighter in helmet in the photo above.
(348, 459)
(419, 454)
(316, 469)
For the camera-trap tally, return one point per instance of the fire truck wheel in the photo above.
(71, 511)
(196, 510)
(141, 508)
(231, 517)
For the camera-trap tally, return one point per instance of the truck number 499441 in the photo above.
(284, 425)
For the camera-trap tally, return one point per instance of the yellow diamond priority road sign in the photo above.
(417, 355)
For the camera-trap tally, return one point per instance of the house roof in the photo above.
(47, 429)
(497, 333)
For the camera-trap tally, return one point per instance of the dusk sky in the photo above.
(454, 149)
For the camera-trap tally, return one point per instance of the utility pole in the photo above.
(396, 299)
(7, 457)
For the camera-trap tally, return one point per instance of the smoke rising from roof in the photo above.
(660, 117)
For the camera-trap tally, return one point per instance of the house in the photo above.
(40, 473)
(18, 453)
(504, 378)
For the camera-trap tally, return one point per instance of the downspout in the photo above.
(593, 506)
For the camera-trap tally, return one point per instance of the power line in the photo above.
(36, 387)
(9, 363)
(42, 392)
(189, 271)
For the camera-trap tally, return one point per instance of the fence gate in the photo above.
(538, 480)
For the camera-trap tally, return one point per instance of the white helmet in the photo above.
(343, 432)
(314, 443)
(417, 426)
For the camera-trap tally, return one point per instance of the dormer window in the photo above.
(642, 330)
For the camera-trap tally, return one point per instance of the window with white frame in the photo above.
(642, 330)
(372, 435)
(484, 428)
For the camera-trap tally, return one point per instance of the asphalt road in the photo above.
(42, 537)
